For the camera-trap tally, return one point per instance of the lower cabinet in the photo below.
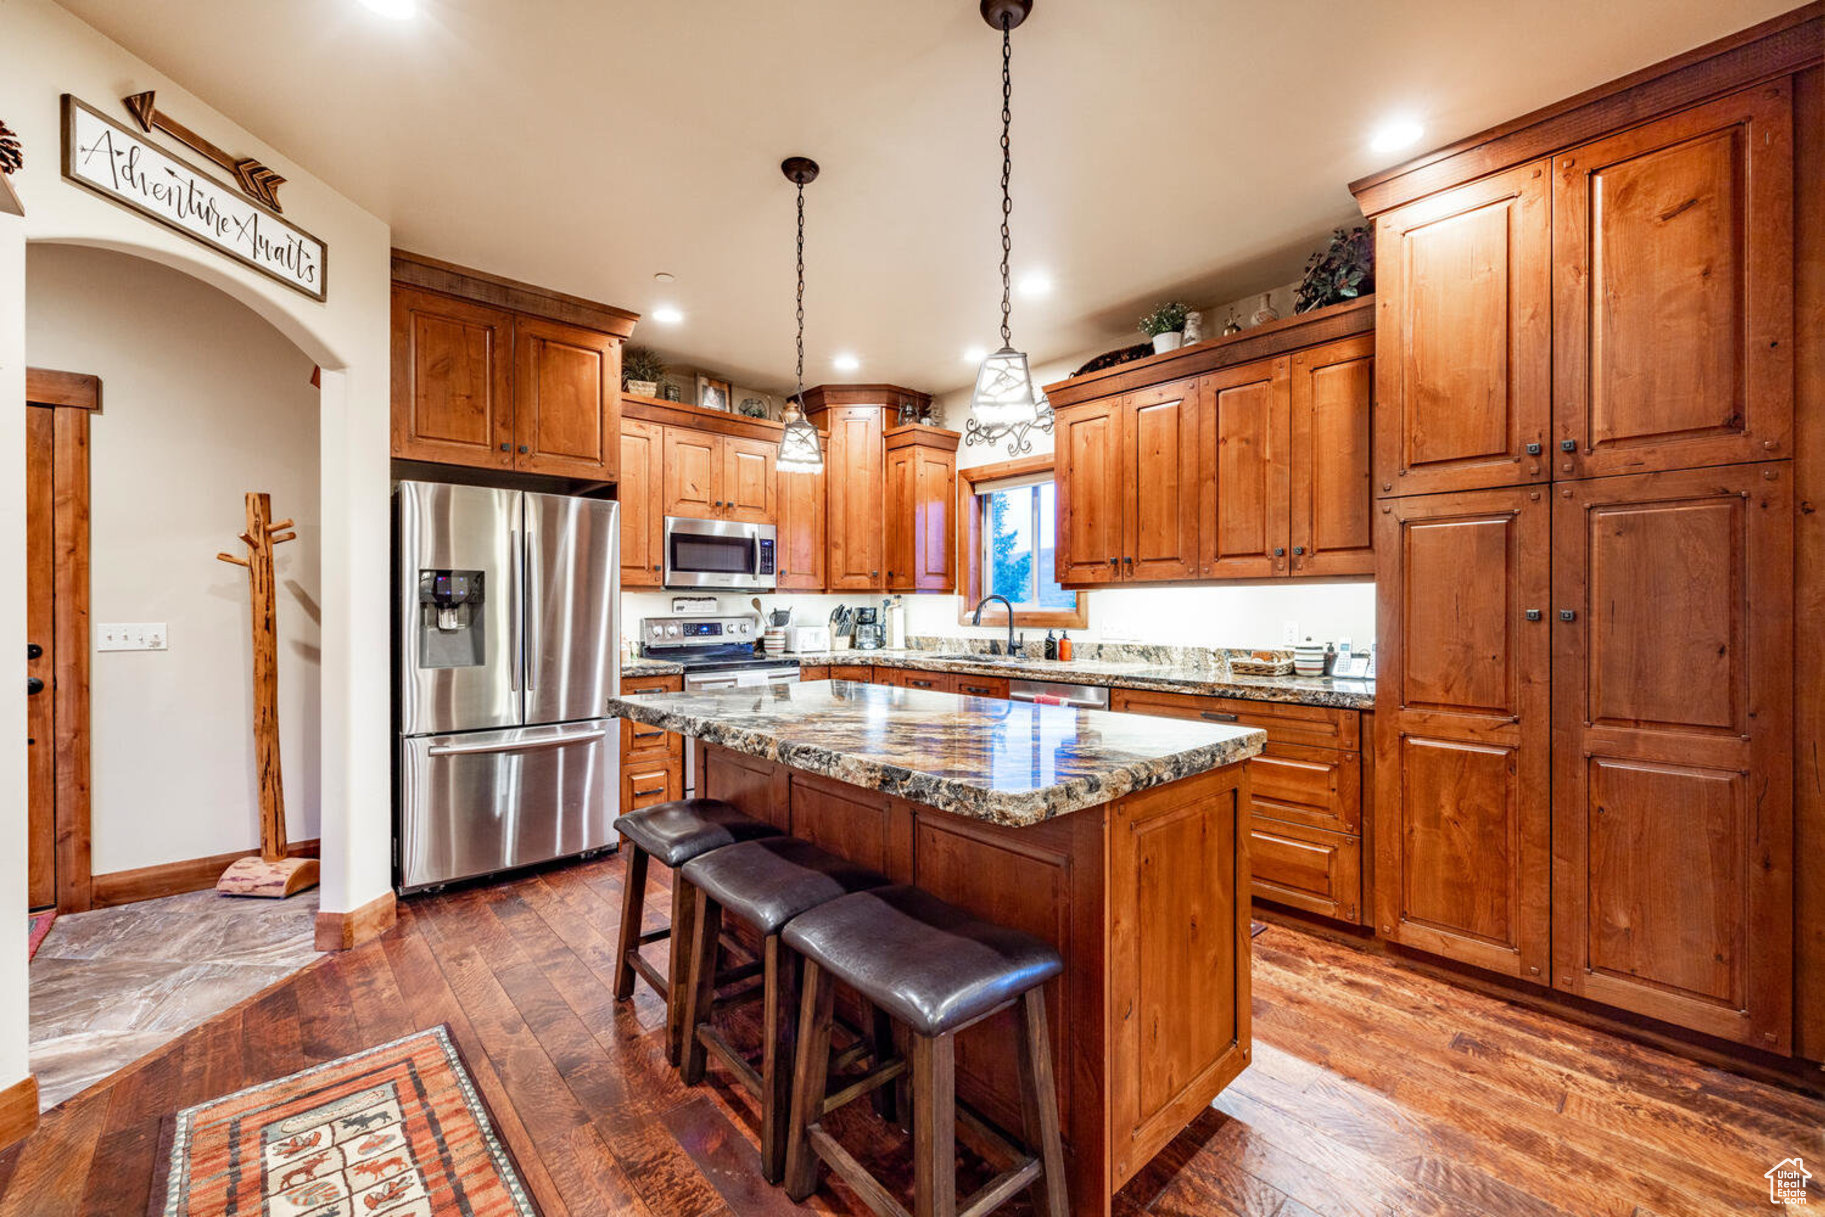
(1305, 795)
(652, 760)
(913, 678)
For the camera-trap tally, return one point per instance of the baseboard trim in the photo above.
(174, 878)
(345, 931)
(18, 1110)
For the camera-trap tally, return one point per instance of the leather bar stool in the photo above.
(674, 833)
(937, 970)
(765, 884)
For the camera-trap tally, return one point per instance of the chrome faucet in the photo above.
(1013, 647)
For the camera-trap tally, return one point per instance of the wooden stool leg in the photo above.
(697, 990)
(934, 1121)
(1039, 1106)
(778, 1052)
(633, 911)
(886, 1098)
(684, 917)
(810, 1078)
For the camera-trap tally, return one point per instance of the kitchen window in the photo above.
(1009, 528)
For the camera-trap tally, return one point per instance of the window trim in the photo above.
(969, 550)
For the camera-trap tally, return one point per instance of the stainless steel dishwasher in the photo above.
(1054, 693)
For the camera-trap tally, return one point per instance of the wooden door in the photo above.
(452, 381)
(856, 492)
(642, 526)
(1462, 819)
(1160, 433)
(1092, 496)
(1463, 343)
(1673, 291)
(800, 497)
(1333, 502)
(900, 524)
(749, 490)
(1673, 803)
(692, 483)
(566, 400)
(1245, 483)
(40, 713)
(934, 532)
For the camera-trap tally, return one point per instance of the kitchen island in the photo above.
(1121, 839)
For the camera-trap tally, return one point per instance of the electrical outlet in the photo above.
(1289, 633)
(130, 636)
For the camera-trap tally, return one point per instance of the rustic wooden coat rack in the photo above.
(274, 873)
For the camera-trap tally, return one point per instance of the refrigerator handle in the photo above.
(556, 741)
(517, 654)
(534, 603)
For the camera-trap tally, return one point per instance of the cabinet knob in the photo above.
(1533, 449)
(874, 574)
(1533, 614)
(506, 447)
(523, 449)
(1129, 561)
(1568, 445)
(1568, 615)
(1279, 551)
(1298, 549)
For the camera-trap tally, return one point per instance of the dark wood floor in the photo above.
(1374, 1090)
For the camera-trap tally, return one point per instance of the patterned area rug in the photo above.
(396, 1131)
(37, 925)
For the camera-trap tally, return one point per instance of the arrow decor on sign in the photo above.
(260, 183)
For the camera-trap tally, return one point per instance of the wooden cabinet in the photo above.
(921, 503)
(1092, 497)
(693, 474)
(1128, 484)
(857, 672)
(936, 682)
(652, 760)
(749, 483)
(1246, 486)
(1672, 281)
(1463, 344)
(1332, 393)
(801, 549)
(452, 381)
(1672, 808)
(642, 521)
(889, 492)
(1462, 832)
(856, 494)
(981, 686)
(495, 374)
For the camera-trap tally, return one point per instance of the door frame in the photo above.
(72, 397)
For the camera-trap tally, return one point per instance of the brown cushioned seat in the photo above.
(676, 832)
(929, 964)
(767, 883)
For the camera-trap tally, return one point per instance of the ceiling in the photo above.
(1196, 149)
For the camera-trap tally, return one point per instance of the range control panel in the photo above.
(699, 631)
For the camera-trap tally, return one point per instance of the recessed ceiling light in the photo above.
(845, 362)
(1395, 134)
(665, 314)
(1035, 283)
(398, 10)
(664, 276)
(975, 354)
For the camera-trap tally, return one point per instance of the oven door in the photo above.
(719, 553)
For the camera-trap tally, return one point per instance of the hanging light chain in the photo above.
(1007, 174)
(801, 294)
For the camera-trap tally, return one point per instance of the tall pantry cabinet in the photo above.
(1585, 553)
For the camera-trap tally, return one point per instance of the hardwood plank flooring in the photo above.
(1374, 1090)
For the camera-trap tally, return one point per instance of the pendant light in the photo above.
(799, 451)
(1006, 405)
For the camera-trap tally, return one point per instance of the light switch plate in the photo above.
(1289, 633)
(131, 636)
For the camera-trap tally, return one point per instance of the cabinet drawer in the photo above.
(646, 785)
(810, 671)
(982, 686)
(860, 673)
(1308, 868)
(1321, 787)
(936, 682)
(1314, 726)
(643, 743)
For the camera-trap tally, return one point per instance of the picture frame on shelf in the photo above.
(712, 394)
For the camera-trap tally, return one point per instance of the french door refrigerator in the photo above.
(507, 646)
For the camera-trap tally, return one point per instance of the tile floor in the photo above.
(111, 985)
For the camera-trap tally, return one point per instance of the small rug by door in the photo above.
(395, 1131)
(37, 925)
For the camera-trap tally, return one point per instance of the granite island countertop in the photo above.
(1334, 692)
(1009, 763)
(642, 666)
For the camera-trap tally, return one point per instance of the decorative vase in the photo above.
(1194, 328)
(643, 388)
(1172, 340)
(1265, 313)
(1233, 325)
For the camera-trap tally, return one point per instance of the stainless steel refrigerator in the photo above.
(507, 646)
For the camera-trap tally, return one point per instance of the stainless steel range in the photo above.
(717, 653)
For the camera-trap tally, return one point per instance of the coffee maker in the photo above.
(870, 634)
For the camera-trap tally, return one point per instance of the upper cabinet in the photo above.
(1673, 299)
(494, 374)
(1463, 340)
(642, 474)
(1259, 467)
(855, 466)
(801, 549)
(921, 501)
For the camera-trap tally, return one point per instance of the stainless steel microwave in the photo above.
(720, 553)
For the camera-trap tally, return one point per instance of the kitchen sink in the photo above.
(977, 657)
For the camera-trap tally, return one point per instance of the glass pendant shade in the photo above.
(1004, 394)
(799, 451)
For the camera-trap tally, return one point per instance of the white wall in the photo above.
(202, 401)
(48, 52)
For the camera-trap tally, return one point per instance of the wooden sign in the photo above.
(253, 177)
(121, 166)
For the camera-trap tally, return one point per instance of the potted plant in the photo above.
(641, 371)
(1166, 326)
(1342, 270)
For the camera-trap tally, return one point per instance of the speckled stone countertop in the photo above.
(1162, 677)
(651, 667)
(1010, 763)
